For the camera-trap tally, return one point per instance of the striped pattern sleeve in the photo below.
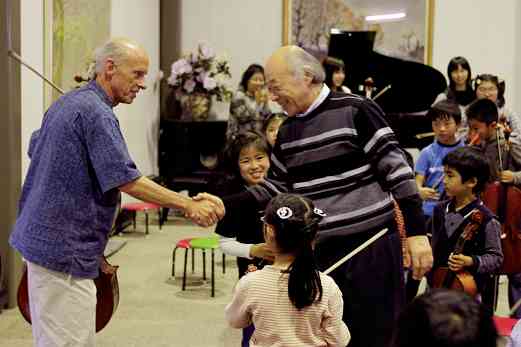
(394, 173)
(236, 312)
(335, 331)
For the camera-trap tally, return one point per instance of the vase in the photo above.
(196, 107)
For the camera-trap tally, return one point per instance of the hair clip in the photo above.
(319, 212)
(284, 212)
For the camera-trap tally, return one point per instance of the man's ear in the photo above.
(110, 67)
(471, 182)
(308, 77)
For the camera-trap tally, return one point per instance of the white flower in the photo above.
(209, 83)
(206, 52)
(189, 85)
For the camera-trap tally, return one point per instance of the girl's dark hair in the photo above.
(461, 98)
(332, 65)
(445, 318)
(500, 85)
(242, 140)
(250, 71)
(469, 162)
(295, 220)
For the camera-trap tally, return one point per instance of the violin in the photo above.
(107, 294)
(462, 280)
(504, 200)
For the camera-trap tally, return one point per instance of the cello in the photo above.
(504, 200)
(462, 280)
(107, 294)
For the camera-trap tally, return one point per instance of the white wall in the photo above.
(247, 31)
(517, 103)
(32, 86)
(136, 19)
(139, 20)
(487, 33)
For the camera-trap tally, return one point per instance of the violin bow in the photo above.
(19, 59)
(356, 251)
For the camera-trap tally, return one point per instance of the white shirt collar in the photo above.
(324, 92)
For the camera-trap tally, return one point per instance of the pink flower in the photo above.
(181, 66)
(172, 80)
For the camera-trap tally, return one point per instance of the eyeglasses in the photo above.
(487, 89)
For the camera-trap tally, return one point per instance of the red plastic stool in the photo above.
(185, 244)
(143, 207)
(504, 325)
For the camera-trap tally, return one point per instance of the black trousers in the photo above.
(371, 284)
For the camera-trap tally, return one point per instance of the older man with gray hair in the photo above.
(338, 150)
(79, 165)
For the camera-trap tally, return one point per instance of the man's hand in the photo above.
(507, 176)
(458, 262)
(421, 255)
(261, 250)
(427, 193)
(214, 199)
(205, 210)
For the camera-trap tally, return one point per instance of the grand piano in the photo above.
(413, 86)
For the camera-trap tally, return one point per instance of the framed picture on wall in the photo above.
(403, 27)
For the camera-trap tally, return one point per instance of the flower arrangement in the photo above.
(201, 72)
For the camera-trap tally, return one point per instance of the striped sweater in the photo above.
(344, 156)
(261, 298)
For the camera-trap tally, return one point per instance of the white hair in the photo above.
(116, 49)
(300, 62)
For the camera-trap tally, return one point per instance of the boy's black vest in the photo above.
(443, 245)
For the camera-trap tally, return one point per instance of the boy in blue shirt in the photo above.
(446, 119)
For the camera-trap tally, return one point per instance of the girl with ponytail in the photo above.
(290, 302)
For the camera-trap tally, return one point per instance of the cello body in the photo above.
(443, 277)
(504, 200)
(107, 295)
(462, 280)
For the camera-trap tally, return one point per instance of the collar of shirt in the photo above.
(466, 209)
(324, 92)
(93, 85)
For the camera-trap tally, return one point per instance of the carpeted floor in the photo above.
(153, 311)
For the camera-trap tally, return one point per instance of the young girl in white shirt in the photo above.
(290, 302)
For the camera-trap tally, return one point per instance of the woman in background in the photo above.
(250, 105)
(335, 74)
(460, 89)
(490, 87)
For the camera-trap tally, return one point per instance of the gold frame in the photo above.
(429, 27)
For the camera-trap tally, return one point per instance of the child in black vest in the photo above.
(466, 172)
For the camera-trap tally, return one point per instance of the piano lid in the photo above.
(414, 86)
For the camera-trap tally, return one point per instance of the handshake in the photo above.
(205, 209)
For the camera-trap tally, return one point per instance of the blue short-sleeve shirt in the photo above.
(430, 166)
(78, 160)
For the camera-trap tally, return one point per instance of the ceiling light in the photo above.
(384, 17)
